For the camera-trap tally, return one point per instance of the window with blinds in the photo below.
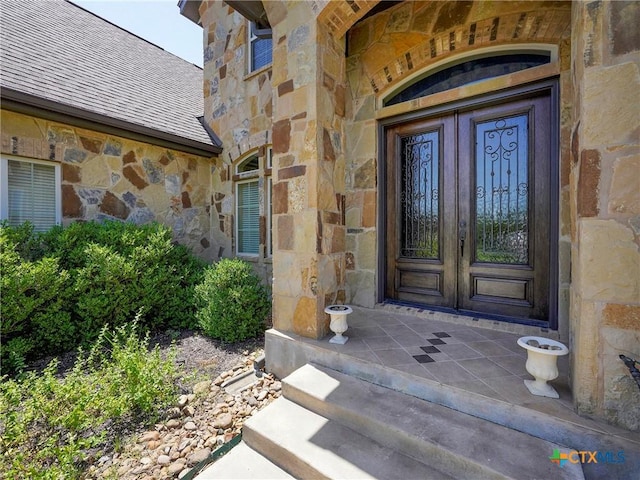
(252, 183)
(260, 51)
(30, 193)
(269, 218)
(248, 218)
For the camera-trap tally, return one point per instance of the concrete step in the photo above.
(241, 463)
(308, 445)
(452, 442)
(559, 426)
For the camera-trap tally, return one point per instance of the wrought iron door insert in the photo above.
(469, 210)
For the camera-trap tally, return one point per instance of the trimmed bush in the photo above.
(34, 313)
(234, 304)
(60, 288)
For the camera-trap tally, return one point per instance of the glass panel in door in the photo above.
(419, 209)
(502, 184)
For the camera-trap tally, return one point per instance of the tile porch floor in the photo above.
(488, 362)
(445, 348)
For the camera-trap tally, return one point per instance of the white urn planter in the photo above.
(338, 323)
(542, 358)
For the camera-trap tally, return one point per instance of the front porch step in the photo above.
(287, 352)
(452, 442)
(242, 463)
(308, 445)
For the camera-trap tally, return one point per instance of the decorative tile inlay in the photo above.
(430, 349)
(423, 358)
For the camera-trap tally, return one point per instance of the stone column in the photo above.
(605, 289)
(308, 176)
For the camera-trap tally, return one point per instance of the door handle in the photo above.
(462, 234)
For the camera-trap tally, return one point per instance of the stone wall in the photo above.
(605, 201)
(238, 107)
(308, 142)
(110, 177)
(322, 110)
(297, 106)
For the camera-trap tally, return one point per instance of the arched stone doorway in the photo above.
(394, 48)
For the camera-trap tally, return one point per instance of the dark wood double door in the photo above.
(469, 210)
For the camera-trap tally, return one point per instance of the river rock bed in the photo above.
(201, 421)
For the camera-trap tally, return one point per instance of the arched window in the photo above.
(468, 71)
(253, 204)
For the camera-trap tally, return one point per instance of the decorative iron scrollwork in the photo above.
(502, 191)
(419, 196)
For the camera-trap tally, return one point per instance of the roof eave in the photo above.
(190, 9)
(252, 10)
(50, 110)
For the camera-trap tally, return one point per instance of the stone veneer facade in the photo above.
(605, 208)
(319, 105)
(110, 177)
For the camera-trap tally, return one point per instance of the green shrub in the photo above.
(21, 238)
(61, 287)
(15, 353)
(34, 302)
(50, 424)
(105, 290)
(233, 303)
(168, 276)
(147, 378)
(134, 271)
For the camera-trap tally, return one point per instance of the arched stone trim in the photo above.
(465, 56)
(340, 15)
(248, 143)
(245, 156)
(262, 151)
(548, 26)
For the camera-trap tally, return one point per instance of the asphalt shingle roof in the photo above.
(57, 51)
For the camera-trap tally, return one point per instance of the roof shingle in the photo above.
(59, 52)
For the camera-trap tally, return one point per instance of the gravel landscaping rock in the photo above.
(203, 418)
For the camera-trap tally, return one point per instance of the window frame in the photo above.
(4, 185)
(248, 173)
(269, 158)
(251, 40)
(246, 181)
(269, 217)
(262, 176)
